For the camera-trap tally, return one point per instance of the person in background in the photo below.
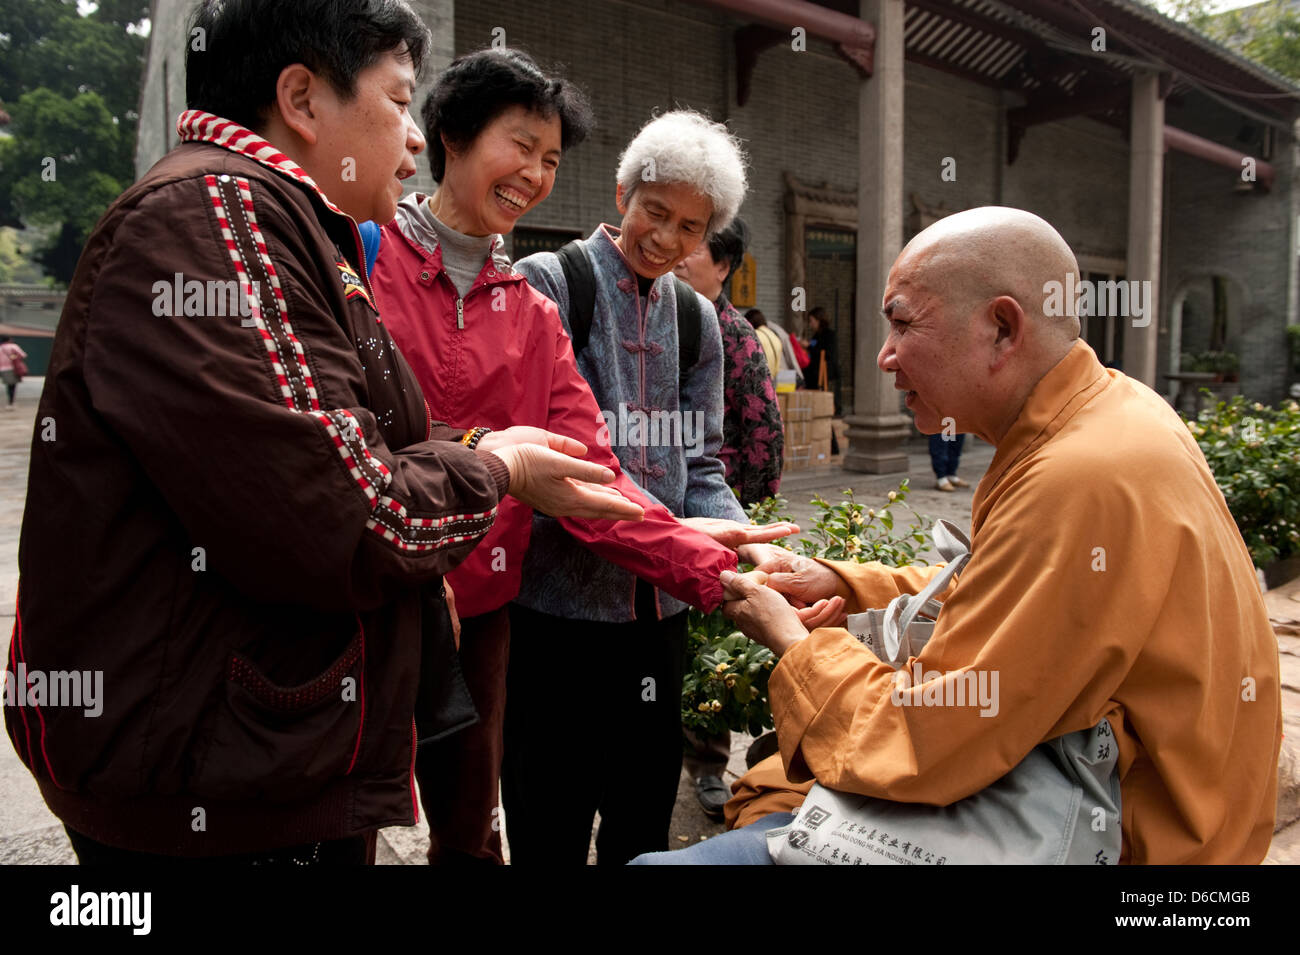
(752, 432)
(491, 352)
(769, 339)
(945, 456)
(823, 372)
(12, 367)
(821, 352)
(753, 443)
(789, 357)
(680, 180)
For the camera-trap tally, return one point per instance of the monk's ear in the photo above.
(295, 90)
(619, 202)
(1009, 325)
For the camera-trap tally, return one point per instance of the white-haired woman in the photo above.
(597, 658)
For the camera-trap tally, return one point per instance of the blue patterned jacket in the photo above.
(631, 363)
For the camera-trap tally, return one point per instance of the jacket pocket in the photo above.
(284, 744)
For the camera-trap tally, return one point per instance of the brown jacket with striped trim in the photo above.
(236, 520)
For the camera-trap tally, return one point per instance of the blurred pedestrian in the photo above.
(770, 341)
(823, 360)
(945, 455)
(13, 367)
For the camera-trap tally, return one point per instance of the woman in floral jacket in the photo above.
(752, 439)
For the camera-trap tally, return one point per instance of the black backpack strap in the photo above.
(688, 328)
(581, 281)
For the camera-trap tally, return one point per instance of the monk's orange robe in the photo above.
(1107, 579)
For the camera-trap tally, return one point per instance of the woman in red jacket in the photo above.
(491, 352)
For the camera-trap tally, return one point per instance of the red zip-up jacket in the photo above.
(500, 357)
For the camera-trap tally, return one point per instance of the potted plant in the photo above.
(1223, 366)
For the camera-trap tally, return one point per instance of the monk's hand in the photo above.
(734, 534)
(802, 580)
(760, 612)
(831, 612)
(553, 482)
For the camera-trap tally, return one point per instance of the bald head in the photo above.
(971, 328)
(969, 258)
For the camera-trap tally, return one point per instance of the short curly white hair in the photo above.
(687, 147)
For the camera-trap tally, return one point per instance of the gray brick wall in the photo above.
(1212, 229)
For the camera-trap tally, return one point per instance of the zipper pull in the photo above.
(460, 313)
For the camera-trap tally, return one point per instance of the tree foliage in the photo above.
(70, 84)
(1268, 33)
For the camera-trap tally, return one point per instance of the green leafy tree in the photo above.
(70, 83)
(15, 265)
(1268, 33)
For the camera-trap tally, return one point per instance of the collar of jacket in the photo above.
(608, 259)
(1074, 381)
(413, 221)
(196, 126)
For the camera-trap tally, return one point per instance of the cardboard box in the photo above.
(820, 453)
(819, 430)
(822, 404)
(798, 407)
(783, 402)
(798, 432)
(797, 457)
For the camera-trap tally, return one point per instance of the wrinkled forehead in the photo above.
(910, 275)
(677, 199)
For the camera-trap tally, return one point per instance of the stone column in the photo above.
(440, 17)
(1145, 201)
(876, 428)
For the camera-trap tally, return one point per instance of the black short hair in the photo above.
(478, 87)
(247, 43)
(756, 318)
(729, 245)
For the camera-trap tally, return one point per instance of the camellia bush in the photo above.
(1254, 453)
(725, 685)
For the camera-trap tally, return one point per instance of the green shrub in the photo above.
(725, 684)
(1254, 453)
(1224, 363)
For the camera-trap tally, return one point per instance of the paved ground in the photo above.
(29, 833)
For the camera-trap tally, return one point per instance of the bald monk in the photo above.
(1107, 579)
